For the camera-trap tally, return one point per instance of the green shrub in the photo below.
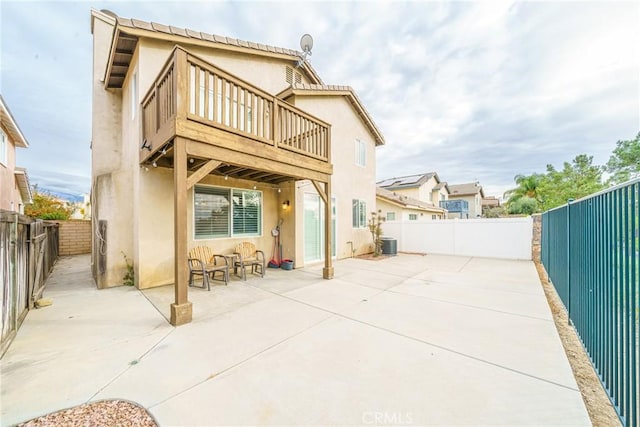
(523, 206)
(46, 206)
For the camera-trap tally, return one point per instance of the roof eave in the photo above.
(212, 44)
(392, 201)
(409, 205)
(10, 124)
(22, 179)
(350, 95)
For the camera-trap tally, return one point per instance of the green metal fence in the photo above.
(590, 250)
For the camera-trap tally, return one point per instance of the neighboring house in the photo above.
(471, 193)
(425, 187)
(15, 191)
(215, 141)
(490, 202)
(397, 207)
(456, 209)
(82, 210)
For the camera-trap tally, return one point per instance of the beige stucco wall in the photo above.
(439, 195)
(426, 189)
(155, 260)
(266, 73)
(112, 176)
(349, 181)
(10, 198)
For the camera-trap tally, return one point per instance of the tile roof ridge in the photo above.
(191, 33)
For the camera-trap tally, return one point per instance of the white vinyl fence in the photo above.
(508, 238)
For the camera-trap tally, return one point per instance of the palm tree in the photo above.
(527, 187)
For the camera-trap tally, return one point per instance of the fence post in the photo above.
(569, 201)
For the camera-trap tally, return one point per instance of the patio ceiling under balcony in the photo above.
(194, 164)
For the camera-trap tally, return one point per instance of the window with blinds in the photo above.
(224, 212)
(359, 213)
(247, 212)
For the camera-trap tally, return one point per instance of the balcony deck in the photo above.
(198, 120)
(250, 133)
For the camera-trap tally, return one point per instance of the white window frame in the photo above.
(413, 217)
(389, 214)
(361, 153)
(358, 213)
(231, 234)
(4, 148)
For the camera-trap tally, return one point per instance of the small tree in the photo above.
(494, 212)
(46, 206)
(375, 227)
(523, 206)
(624, 163)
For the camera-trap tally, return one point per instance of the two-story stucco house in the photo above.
(472, 193)
(15, 191)
(426, 188)
(199, 139)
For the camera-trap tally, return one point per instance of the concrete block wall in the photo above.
(74, 237)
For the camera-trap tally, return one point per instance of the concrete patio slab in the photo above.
(334, 295)
(525, 344)
(383, 343)
(490, 298)
(194, 354)
(220, 299)
(67, 352)
(343, 372)
(373, 278)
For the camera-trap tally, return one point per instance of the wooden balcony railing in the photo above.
(213, 97)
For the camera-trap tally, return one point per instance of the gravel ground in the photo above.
(103, 413)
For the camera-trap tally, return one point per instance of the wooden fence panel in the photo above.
(28, 251)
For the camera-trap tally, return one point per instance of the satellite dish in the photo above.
(306, 44)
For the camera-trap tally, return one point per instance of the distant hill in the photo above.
(64, 196)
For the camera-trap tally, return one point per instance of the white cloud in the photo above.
(482, 90)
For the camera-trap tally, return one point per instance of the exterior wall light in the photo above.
(285, 204)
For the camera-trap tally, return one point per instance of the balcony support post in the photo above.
(181, 309)
(327, 271)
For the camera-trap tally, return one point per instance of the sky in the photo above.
(475, 91)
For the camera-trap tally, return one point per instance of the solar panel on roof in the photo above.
(409, 179)
(386, 182)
